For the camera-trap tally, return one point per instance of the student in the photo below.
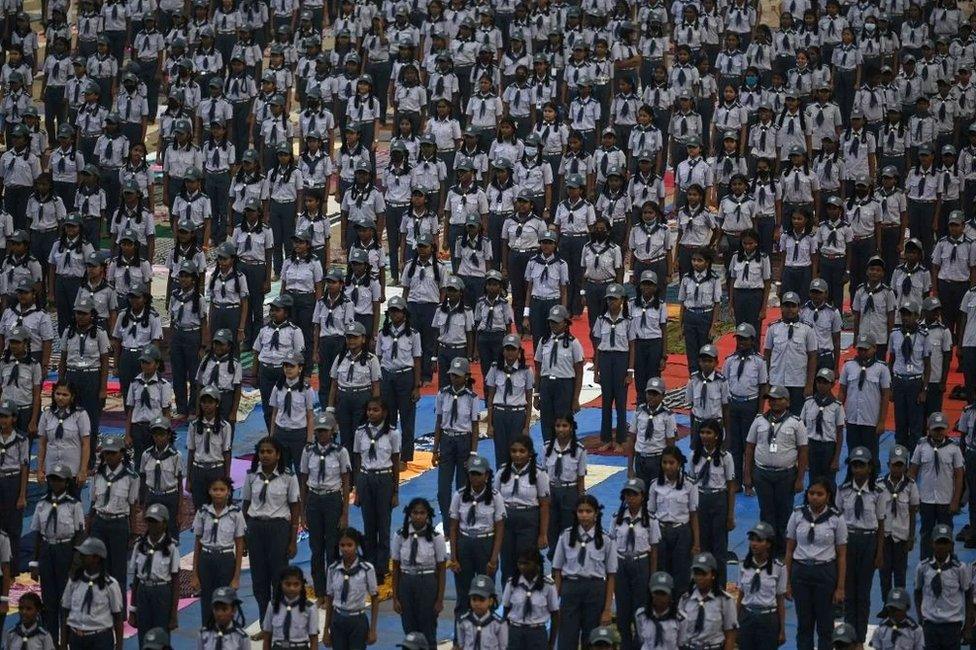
(873, 304)
(137, 329)
(558, 370)
(637, 534)
(823, 416)
(93, 607)
(228, 295)
(652, 429)
(332, 313)
(749, 279)
(455, 431)
(547, 278)
(941, 584)
(864, 507)
(865, 387)
(273, 343)
(747, 378)
(953, 262)
(480, 626)
(493, 317)
(508, 396)
(221, 370)
(28, 314)
(761, 592)
(149, 396)
(218, 529)
(29, 633)
(897, 628)
(376, 463)
(59, 521)
(292, 617)
(350, 580)
(422, 281)
(254, 241)
(816, 563)
(909, 361)
(272, 511)
(419, 554)
(657, 621)
(66, 267)
(937, 467)
(112, 506)
(530, 601)
(899, 530)
(161, 472)
(524, 487)
(477, 528)
(673, 499)
(292, 401)
(223, 627)
(775, 462)
(20, 376)
(940, 345)
(301, 278)
(707, 391)
(700, 293)
(790, 350)
(705, 599)
(715, 476)
(355, 380)
(209, 439)
(155, 568)
(649, 315)
(454, 323)
(825, 319)
(614, 359)
(602, 261)
(584, 569)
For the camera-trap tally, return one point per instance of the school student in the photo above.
(825, 319)
(699, 293)
(272, 343)
(481, 627)
(209, 439)
(137, 329)
(897, 629)
(937, 467)
(155, 569)
(899, 530)
(909, 358)
(657, 622)
(648, 323)
(271, 509)
(761, 593)
(419, 555)
(776, 461)
(524, 487)
(149, 396)
(400, 352)
(508, 396)
(790, 350)
(455, 431)
(112, 506)
(454, 323)
(709, 615)
(673, 499)
(355, 380)
(292, 401)
(652, 429)
(816, 563)
(546, 280)
(749, 278)
(477, 529)
(376, 460)
(584, 569)
(940, 345)
(747, 378)
(422, 281)
(942, 583)
(558, 370)
(530, 601)
(223, 627)
(93, 607)
(873, 305)
(637, 534)
(161, 471)
(29, 633)
(714, 473)
(707, 391)
(292, 617)
(59, 521)
(865, 386)
(824, 418)
(218, 529)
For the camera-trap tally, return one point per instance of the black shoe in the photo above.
(731, 557)
(958, 393)
(963, 533)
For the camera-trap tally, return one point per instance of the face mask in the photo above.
(531, 151)
(752, 80)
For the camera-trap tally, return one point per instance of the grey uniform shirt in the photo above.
(332, 315)
(863, 403)
(874, 303)
(565, 465)
(901, 496)
(34, 637)
(633, 536)
(148, 397)
(324, 465)
(720, 616)
(700, 290)
(829, 532)
(712, 477)
(14, 453)
(106, 300)
(398, 348)
(613, 333)
(133, 333)
(100, 613)
(492, 631)
(651, 428)
(113, 491)
(64, 432)
(744, 374)
(453, 324)
(597, 562)
(771, 585)
(162, 470)
(548, 275)
(558, 356)
(707, 394)
(273, 502)
(154, 562)
(58, 519)
(376, 446)
(219, 531)
(428, 555)
(825, 321)
(823, 418)
(486, 515)
(954, 257)
(302, 622)
(361, 577)
(673, 501)
(275, 341)
(518, 491)
(356, 373)
(648, 319)
(873, 505)
(222, 372)
(37, 322)
(227, 290)
(910, 350)
(936, 465)
(777, 440)
(19, 378)
(510, 384)
(460, 418)
(493, 315)
(601, 261)
(956, 578)
(293, 415)
(528, 604)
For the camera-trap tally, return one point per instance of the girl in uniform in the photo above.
(398, 347)
(162, 469)
(292, 618)
(636, 534)
(149, 397)
(419, 556)
(648, 320)
(657, 622)
(762, 587)
(899, 529)
(700, 293)
(254, 241)
(546, 280)
(613, 356)
(798, 244)
(481, 626)
(862, 503)
(524, 487)
(454, 323)
(559, 370)
(66, 268)
(477, 514)
(272, 512)
(355, 380)
(273, 343)
(565, 459)
(218, 528)
(292, 401)
(14, 467)
(823, 417)
(714, 473)
(59, 521)
(749, 275)
(190, 328)
(30, 633)
(493, 317)
(529, 601)
(508, 396)
(314, 220)
(455, 431)
(128, 269)
(364, 290)
(221, 370)
(224, 626)
(350, 581)
(21, 378)
(228, 294)
(673, 499)
(137, 327)
(93, 605)
(651, 245)
(155, 569)
(377, 468)
(285, 186)
(697, 227)
(112, 506)
(584, 568)
(333, 312)
(708, 614)
(324, 480)
(301, 278)
(816, 561)
(652, 430)
(474, 253)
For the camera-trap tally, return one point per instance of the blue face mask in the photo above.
(752, 80)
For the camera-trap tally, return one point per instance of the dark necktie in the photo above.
(936, 583)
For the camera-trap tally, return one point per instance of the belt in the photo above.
(78, 632)
(578, 235)
(154, 583)
(397, 204)
(57, 542)
(649, 456)
(350, 389)
(700, 310)
(227, 305)
(10, 473)
(737, 398)
(108, 517)
(862, 531)
(378, 472)
(439, 150)
(481, 536)
(521, 508)
(184, 328)
(864, 238)
(815, 562)
(711, 490)
(453, 346)
(907, 377)
(218, 550)
(508, 407)
(45, 230)
(164, 492)
(921, 200)
(455, 434)
(760, 610)
(555, 378)
(633, 558)
(397, 371)
(563, 484)
(527, 626)
(425, 572)
(773, 469)
(829, 256)
(589, 281)
(132, 349)
(672, 524)
(524, 250)
(349, 612)
(322, 493)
